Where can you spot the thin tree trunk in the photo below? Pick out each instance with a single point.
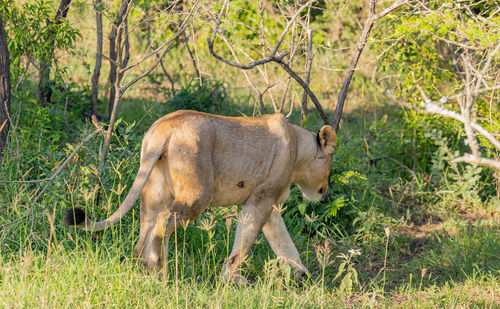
(98, 59)
(169, 77)
(4, 88)
(43, 91)
(195, 66)
(114, 45)
(126, 55)
(303, 107)
(372, 18)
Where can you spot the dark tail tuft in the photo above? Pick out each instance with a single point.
(75, 216)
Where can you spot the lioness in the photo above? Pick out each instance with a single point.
(191, 160)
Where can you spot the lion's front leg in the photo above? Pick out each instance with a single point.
(250, 222)
(281, 243)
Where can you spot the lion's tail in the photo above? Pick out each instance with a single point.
(76, 216)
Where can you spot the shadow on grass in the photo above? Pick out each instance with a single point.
(430, 254)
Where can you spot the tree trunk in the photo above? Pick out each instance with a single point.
(98, 60)
(4, 88)
(114, 44)
(43, 91)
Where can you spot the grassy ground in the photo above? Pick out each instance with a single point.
(401, 227)
(453, 264)
(412, 250)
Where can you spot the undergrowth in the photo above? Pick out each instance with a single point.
(400, 226)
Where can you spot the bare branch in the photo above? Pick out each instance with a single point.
(306, 88)
(431, 107)
(51, 178)
(169, 77)
(241, 66)
(98, 129)
(303, 109)
(272, 58)
(469, 158)
(195, 65)
(372, 18)
(288, 25)
(164, 46)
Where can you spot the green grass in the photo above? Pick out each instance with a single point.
(462, 271)
(441, 252)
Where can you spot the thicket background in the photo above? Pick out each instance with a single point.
(404, 225)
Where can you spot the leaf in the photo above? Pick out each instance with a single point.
(346, 284)
(340, 271)
(302, 208)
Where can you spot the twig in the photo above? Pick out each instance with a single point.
(273, 58)
(288, 25)
(164, 46)
(170, 79)
(25, 181)
(303, 110)
(193, 60)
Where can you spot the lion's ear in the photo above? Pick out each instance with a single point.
(327, 139)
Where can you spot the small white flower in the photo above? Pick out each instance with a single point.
(354, 252)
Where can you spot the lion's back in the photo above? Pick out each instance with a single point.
(240, 149)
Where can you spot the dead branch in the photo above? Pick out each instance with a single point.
(169, 77)
(303, 110)
(435, 108)
(98, 59)
(193, 60)
(272, 58)
(372, 18)
(469, 158)
(306, 88)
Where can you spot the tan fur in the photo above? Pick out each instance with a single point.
(191, 160)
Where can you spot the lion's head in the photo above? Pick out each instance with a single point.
(312, 174)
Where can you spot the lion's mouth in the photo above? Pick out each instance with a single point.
(311, 196)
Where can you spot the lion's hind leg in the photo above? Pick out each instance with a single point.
(155, 199)
(180, 214)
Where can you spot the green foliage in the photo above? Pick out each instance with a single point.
(425, 52)
(391, 170)
(350, 280)
(29, 34)
(210, 97)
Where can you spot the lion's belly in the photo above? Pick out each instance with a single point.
(234, 184)
(228, 193)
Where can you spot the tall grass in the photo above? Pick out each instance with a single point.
(419, 263)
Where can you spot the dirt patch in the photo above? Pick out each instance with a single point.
(421, 231)
(476, 214)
